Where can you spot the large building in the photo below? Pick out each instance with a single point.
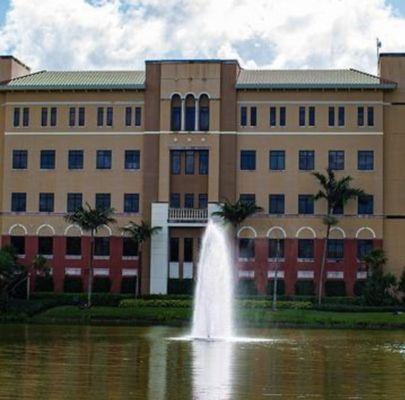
(169, 143)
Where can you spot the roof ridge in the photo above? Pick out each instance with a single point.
(372, 75)
(21, 77)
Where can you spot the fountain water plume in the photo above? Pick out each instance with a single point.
(213, 301)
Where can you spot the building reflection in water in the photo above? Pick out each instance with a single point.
(212, 370)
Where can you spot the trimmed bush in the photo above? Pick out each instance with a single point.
(304, 288)
(335, 288)
(44, 283)
(280, 287)
(101, 284)
(359, 288)
(180, 286)
(246, 287)
(128, 285)
(98, 299)
(73, 284)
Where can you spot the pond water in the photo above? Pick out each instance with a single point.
(82, 362)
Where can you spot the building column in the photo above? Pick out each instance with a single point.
(197, 114)
(183, 114)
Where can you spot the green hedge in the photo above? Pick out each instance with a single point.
(246, 287)
(101, 284)
(304, 288)
(44, 284)
(335, 288)
(73, 284)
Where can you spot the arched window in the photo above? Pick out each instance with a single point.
(204, 117)
(190, 113)
(175, 123)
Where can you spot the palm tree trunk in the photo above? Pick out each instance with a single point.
(324, 253)
(90, 282)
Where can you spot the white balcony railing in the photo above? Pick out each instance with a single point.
(188, 215)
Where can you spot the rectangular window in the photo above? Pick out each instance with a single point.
(54, 116)
(175, 200)
(203, 162)
(104, 159)
(44, 116)
(335, 250)
(75, 159)
(109, 116)
(311, 112)
(18, 243)
(202, 200)
(176, 119)
(16, 117)
(47, 159)
(100, 116)
(337, 160)
(341, 116)
(370, 116)
(174, 249)
(306, 248)
(128, 116)
(365, 160)
(248, 160)
(253, 116)
(82, 116)
(283, 116)
(102, 246)
(20, 159)
(26, 116)
(365, 205)
(129, 247)
(302, 116)
(360, 116)
(306, 160)
(276, 204)
(204, 120)
(277, 160)
(188, 250)
(46, 202)
(175, 162)
(72, 116)
(247, 198)
(276, 248)
(364, 247)
(45, 245)
(18, 202)
(189, 162)
(189, 200)
(131, 202)
(73, 246)
(138, 116)
(305, 204)
(103, 200)
(247, 249)
(331, 116)
(74, 201)
(273, 116)
(190, 118)
(132, 159)
(243, 116)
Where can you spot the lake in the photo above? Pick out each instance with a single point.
(97, 362)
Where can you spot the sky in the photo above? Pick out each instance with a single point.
(121, 34)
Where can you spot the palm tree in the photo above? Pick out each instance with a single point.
(91, 220)
(140, 233)
(236, 213)
(336, 192)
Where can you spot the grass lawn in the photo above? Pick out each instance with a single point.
(245, 317)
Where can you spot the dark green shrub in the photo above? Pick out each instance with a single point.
(44, 283)
(73, 284)
(128, 285)
(359, 288)
(180, 286)
(98, 299)
(280, 287)
(246, 287)
(101, 284)
(335, 288)
(304, 288)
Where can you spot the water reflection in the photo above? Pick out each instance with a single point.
(212, 370)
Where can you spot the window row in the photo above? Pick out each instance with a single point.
(73, 202)
(306, 249)
(73, 246)
(307, 116)
(76, 159)
(191, 159)
(190, 113)
(306, 204)
(189, 200)
(77, 116)
(306, 160)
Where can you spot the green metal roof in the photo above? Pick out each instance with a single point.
(77, 80)
(310, 79)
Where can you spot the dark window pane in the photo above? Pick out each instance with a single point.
(338, 209)
(203, 162)
(175, 162)
(74, 201)
(364, 247)
(75, 159)
(188, 249)
(335, 250)
(20, 159)
(365, 205)
(283, 116)
(248, 160)
(73, 246)
(370, 116)
(202, 200)
(253, 116)
(128, 116)
(109, 116)
(18, 202)
(243, 116)
(175, 200)
(45, 245)
(176, 119)
(44, 116)
(306, 160)
(273, 116)
(302, 116)
(104, 159)
(100, 116)
(174, 249)
(18, 243)
(189, 162)
(277, 160)
(131, 202)
(190, 118)
(54, 116)
(82, 116)
(102, 246)
(247, 198)
(26, 116)
(16, 117)
(306, 248)
(247, 248)
(337, 159)
(204, 119)
(360, 116)
(72, 116)
(331, 116)
(305, 204)
(311, 116)
(341, 116)
(46, 202)
(189, 200)
(138, 116)
(276, 204)
(47, 159)
(129, 247)
(365, 160)
(103, 200)
(132, 159)
(276, 248)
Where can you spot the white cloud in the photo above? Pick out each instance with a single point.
(101, 34)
